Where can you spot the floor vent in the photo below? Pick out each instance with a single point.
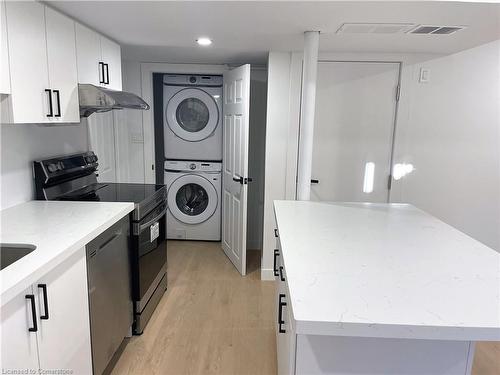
(375, 28)
(442, 30)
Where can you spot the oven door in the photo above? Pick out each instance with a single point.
(149, 254)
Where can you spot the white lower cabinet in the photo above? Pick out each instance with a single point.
(19, 345)
(285, 333)
(54, 332)
(286, 337)
(64, 338)
(338, 355)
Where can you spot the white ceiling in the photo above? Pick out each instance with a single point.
(244, 31)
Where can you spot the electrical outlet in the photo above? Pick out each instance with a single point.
(424, 76)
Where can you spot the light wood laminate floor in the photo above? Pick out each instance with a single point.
(213, 321)
(210, 320)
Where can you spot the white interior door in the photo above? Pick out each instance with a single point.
(235, 165)
(102, 142)
(353, 131)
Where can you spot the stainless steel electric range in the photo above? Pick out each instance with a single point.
(73, 178)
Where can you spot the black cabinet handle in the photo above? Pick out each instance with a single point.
(101, 70)
(282, 278)
(240, 180)
(45, 316)
(281, 303)
(58, 99)
(31, 297)
(49, 92)
(276, 255)
(276, 233)
(106, 81)
(314, 181)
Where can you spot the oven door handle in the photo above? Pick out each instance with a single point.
(139, 228)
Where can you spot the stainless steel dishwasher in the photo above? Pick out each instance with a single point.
(110, 298)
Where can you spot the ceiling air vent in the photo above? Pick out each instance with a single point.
(375, 28)
(443, 30)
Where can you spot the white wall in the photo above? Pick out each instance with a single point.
(279, 98)
(449, 128)
(21, 144)
(129, 138)
(452, 137)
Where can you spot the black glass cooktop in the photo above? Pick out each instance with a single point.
(114, 192)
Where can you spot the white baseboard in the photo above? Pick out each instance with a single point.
(267, 274)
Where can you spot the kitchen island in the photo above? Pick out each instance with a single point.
(380, 289)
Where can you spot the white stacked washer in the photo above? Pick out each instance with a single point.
(193, 117)
(194, 200)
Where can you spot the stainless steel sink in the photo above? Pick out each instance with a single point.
(12, 252)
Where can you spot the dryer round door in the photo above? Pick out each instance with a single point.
(192, 114)
(192, 199)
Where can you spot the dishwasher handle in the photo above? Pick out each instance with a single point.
(101, 246)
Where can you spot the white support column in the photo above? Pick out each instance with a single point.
(308, 102)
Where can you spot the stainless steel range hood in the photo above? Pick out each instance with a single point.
(100, 99)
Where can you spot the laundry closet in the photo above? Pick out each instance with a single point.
(206, 143)
(192, 149)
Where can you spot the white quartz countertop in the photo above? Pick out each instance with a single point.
(57, 229)
(386, 270)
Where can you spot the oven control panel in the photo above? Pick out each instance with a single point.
(68, 164)
(53, 171)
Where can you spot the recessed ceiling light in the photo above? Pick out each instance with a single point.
(204, 41)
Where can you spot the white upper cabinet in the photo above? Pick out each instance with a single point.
(4, 53)
(88, 53)
(44, 55)
(61, 56)
(99, 59)
(112, 58)
(29, 74)
(42, 60)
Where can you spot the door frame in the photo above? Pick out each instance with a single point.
(147, 70)
(397, 95)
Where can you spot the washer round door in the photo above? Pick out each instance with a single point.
(192, 114)
(192, 199)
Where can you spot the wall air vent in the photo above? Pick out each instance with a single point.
(375, 28)
(432, 29)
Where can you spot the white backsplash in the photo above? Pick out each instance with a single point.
(20, 144)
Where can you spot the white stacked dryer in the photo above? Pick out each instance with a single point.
(193, 154)
(192, 117)
(194, 200)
